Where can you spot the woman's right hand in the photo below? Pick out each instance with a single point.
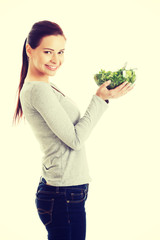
(119, 91)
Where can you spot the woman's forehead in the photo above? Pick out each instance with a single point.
(52, 41)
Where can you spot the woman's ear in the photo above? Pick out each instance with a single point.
(28, 50)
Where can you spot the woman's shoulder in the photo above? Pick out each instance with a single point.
(36, 86)
(36, 91)
(36, 83)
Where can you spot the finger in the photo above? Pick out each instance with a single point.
(107, 83)
(128, 89)
(122, 85)
(129, 86)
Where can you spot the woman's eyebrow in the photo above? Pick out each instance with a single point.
(53, 49)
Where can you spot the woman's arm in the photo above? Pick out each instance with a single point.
(45, 101)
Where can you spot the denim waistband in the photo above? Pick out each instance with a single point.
(63, 188)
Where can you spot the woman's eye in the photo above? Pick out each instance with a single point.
(48, 52)
(61, 52)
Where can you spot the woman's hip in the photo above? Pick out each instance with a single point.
(51, 200)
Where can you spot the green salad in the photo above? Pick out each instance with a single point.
(116, 78)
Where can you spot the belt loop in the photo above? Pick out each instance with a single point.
(57, 189)
(43, 180)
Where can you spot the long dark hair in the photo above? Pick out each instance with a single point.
(38, 31)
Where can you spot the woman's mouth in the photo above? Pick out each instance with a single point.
(52, 68)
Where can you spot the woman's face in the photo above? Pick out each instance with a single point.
(47, 57)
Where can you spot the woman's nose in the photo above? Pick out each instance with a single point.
(55, 59)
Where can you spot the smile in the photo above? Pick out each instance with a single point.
(52, 68)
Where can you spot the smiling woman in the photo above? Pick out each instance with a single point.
(60, 131)
(46, 58)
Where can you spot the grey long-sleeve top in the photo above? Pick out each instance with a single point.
(61, 131)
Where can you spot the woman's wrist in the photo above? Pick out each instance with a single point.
(106, 100)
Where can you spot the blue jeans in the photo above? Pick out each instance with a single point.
(62, 210)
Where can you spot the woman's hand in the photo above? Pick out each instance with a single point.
(119, 91)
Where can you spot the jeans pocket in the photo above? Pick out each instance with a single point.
(77, 196)
(45, 209)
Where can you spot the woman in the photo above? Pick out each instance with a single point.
(61, 132)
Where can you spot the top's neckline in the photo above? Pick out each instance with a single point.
(37, 82)
(49, 83)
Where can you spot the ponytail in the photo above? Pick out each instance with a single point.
(18, 112)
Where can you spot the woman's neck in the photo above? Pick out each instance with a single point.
(31, 79)
(32, 75)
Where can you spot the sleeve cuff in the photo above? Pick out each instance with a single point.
(101, 100)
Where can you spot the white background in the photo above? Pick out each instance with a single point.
(122, 150)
